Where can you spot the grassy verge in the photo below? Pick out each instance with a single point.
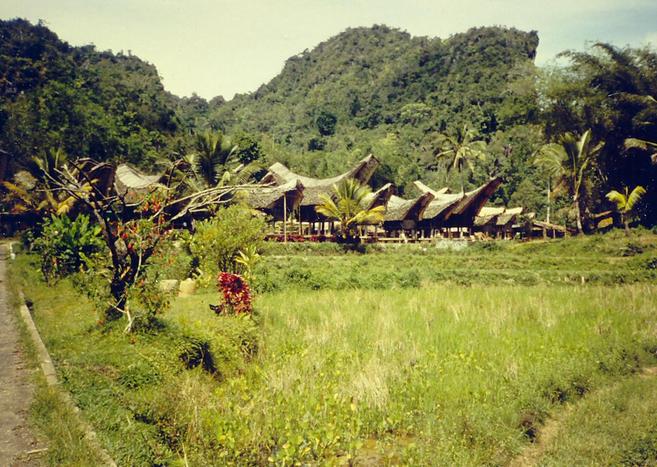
(611, 427)
(597, 259)
(52, 419)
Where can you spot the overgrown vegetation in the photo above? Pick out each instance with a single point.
(439, 370)
(66, 245)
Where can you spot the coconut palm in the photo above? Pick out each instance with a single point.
(626, 202)
(571, 161)
(460, 150)
(348, 206)
(212, 154)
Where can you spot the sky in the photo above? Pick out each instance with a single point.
(223, 47)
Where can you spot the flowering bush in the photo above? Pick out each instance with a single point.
(235, 294)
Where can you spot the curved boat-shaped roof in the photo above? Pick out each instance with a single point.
(400, 209)
(380, 197)
(446, 205)
(313, 187)
(270, 198)
(129, 180)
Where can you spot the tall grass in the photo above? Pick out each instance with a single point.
(438, 375)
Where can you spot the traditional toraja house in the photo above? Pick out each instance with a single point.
(403, 216)
(315, 187)
(134, 185)
(454, 211)
(276, 201)
(498, 222)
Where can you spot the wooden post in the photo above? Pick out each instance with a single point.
(284, 219)
(300, 224)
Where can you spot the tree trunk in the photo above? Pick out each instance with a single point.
(578, 213)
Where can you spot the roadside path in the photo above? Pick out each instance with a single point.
(17, 443)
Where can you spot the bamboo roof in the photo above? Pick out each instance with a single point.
(508, 216)
(133, 184)
(400, 209)
(278, 174)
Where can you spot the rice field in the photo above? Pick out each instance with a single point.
(434, 371)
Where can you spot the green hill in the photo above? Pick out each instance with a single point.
(379, 89)
(90, 103)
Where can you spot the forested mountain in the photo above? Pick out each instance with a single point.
(367, 77)
(379, 89)
(88, 103)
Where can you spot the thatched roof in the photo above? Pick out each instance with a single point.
(488, 215)
(499, 216)
(269, 197)
(380, 197)
(509, 216)
(446, 205)
(314, 187)
(133, 184)
(400, 209)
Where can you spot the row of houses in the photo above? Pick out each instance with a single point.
(286, 195)
(290, 201)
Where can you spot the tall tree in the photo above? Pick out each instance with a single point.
(461, 150)
(571, 161)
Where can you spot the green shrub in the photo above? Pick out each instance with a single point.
(172, 261)
(66, 245)
(217, 241)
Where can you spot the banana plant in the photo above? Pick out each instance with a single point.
(626, 202)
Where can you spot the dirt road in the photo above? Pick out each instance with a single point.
(17, 444)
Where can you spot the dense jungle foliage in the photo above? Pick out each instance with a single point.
(375, 89)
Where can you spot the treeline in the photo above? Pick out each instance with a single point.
(365, 90)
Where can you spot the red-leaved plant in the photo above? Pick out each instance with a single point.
(235, 294)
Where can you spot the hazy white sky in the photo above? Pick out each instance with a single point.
(220, 47)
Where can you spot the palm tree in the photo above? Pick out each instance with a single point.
(461, 150)
(30, 190)
(348, 206)
(571, 160)
(643, 145)
(212, 153)
(626, 202)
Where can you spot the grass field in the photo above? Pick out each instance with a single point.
(433, 369)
